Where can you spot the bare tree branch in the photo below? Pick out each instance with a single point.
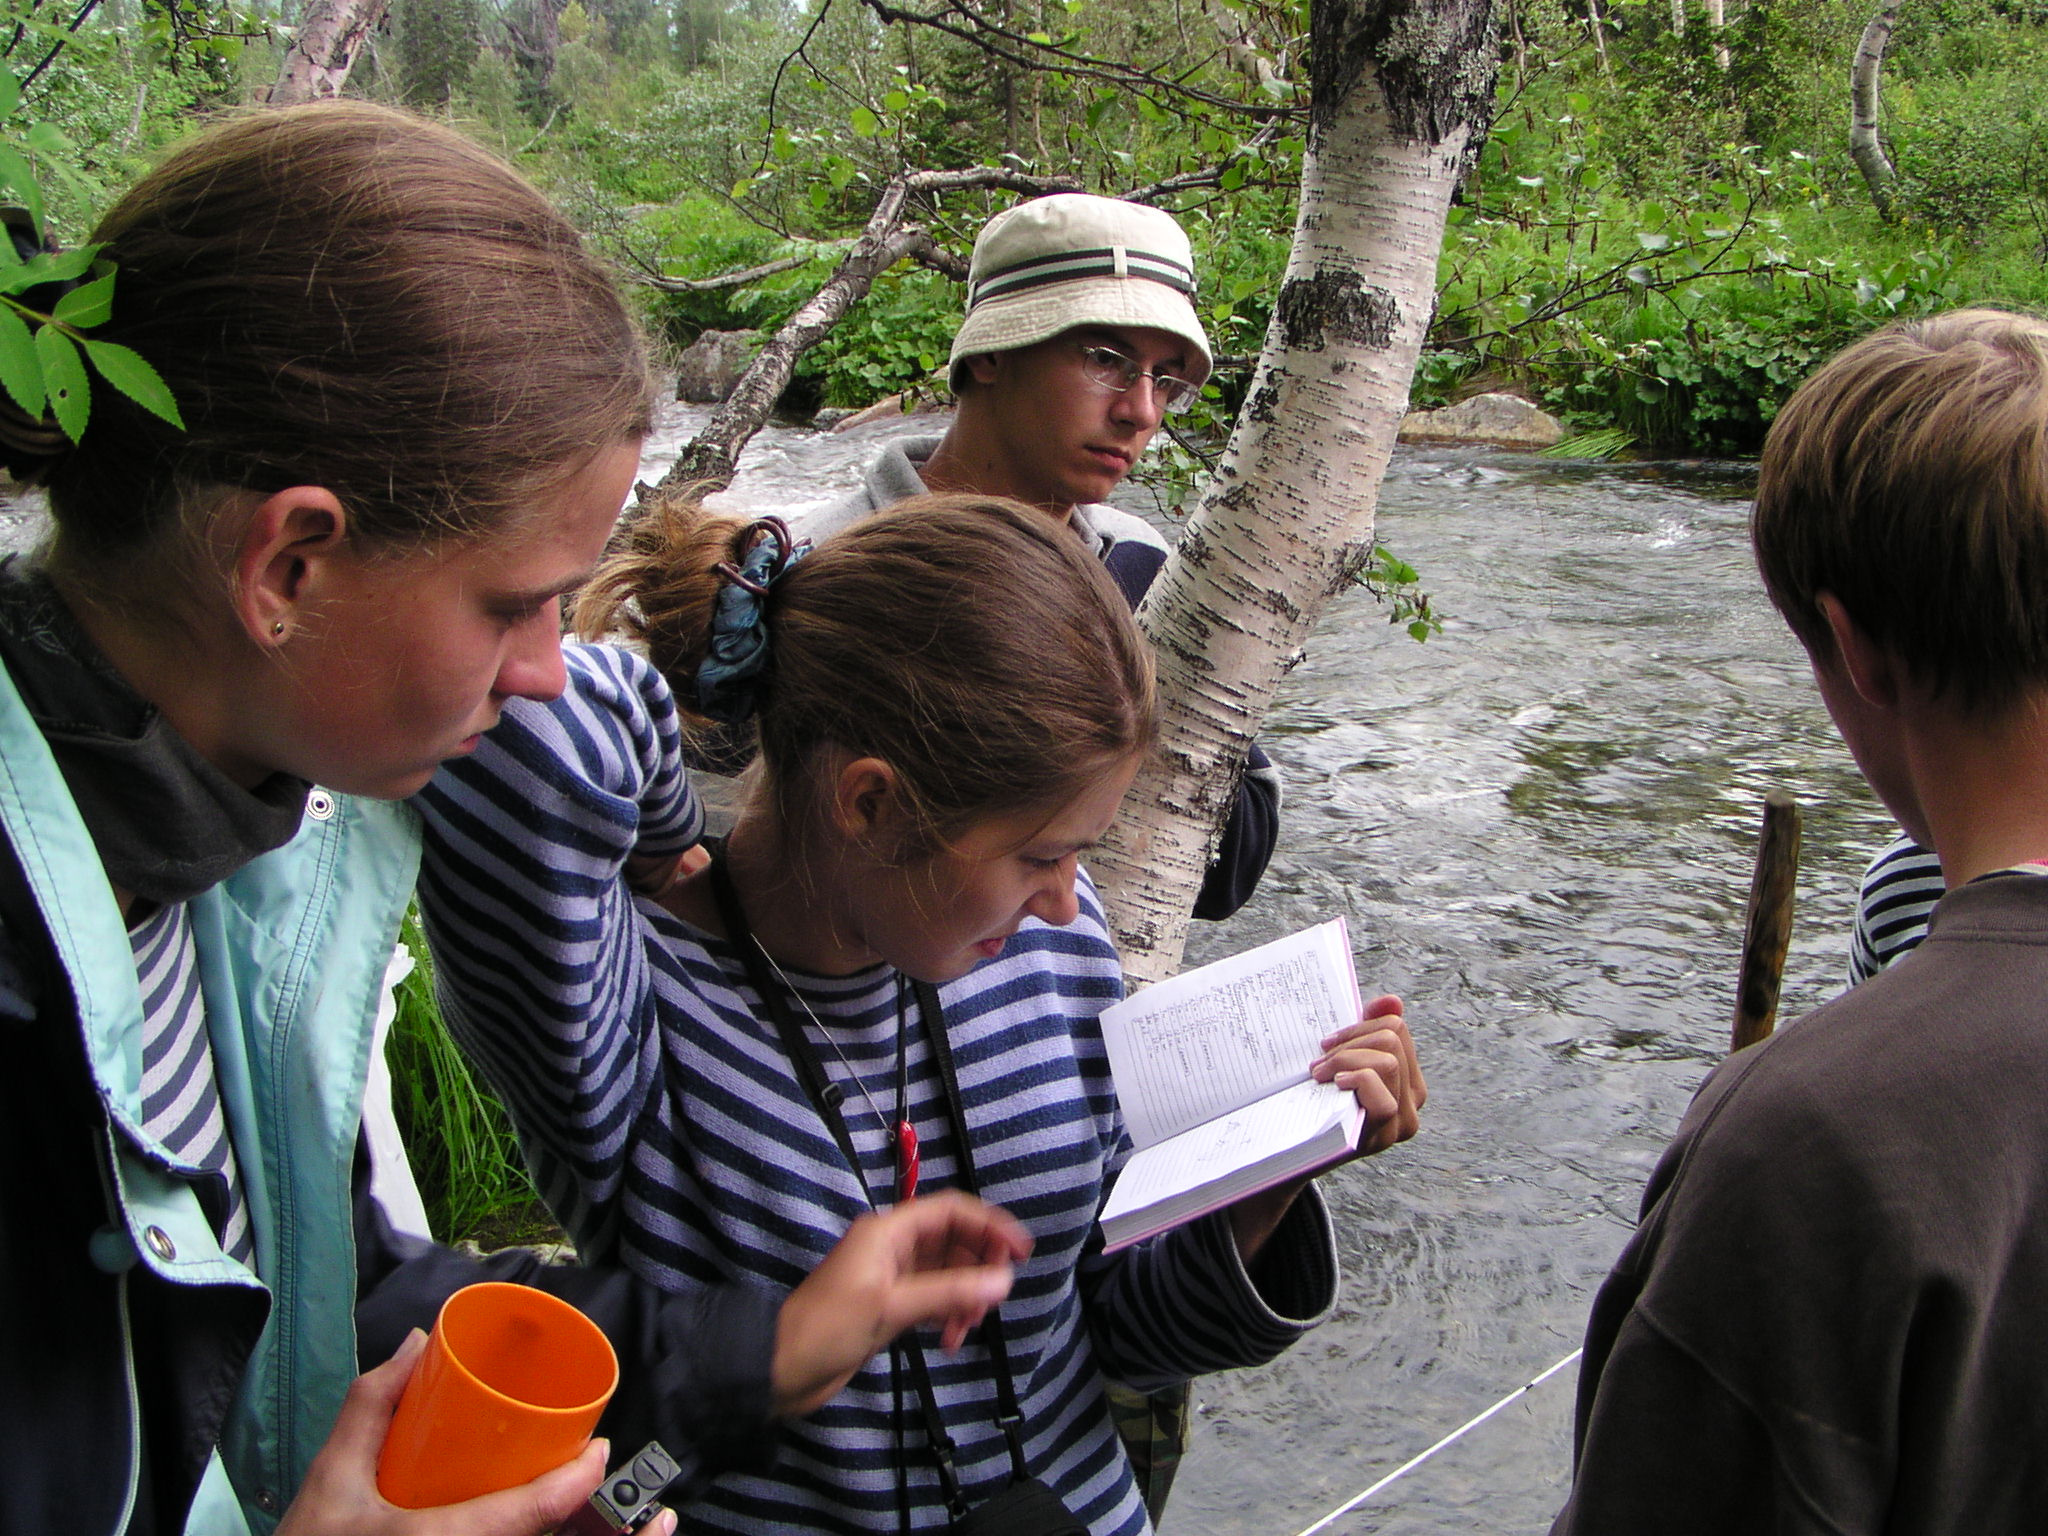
(666, 284)
(1015, 48)
(927, 252)
(1208, 176)
(57, 47)
(775, 85)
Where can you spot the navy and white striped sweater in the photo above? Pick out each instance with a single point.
(669, 1132)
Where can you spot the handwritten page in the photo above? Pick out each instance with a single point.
(1239, 1139)
(1226, 1035)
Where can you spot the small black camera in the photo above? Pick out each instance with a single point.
(627, 1498)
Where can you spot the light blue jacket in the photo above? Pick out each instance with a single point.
(292, 953)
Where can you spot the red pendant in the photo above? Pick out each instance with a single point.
(906, 1161)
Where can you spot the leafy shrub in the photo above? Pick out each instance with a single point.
(895, 339)
(1968, 154)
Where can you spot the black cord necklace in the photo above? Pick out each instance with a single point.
(827, 1097)
(903, 1135)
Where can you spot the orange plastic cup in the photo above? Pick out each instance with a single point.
(510, 1386)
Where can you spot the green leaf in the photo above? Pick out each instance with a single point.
(865, 123)
(896, 101)
(64, 376)
(1043, 39)
(129, 372)
(87, 306)
(47, 139)
(10, 91)
(1232, 177)
(1652, 240)
(21, 371)
(17, 176)
(55, 267)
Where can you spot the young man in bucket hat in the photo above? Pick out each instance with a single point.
(1080, 337)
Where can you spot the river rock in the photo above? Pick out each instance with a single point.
(712, 365)
(894, 405)
(1506, 421)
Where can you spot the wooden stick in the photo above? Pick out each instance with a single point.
(1767, 927)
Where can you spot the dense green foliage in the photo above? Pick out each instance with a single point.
(1648, 242)
(1660, 235)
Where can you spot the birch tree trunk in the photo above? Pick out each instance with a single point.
(1717, 23)
(330, 37)
(1865, 148)
(1398, 88)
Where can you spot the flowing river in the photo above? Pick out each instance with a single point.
(1541, 826)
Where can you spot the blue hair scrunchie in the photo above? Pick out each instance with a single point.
(728, 680)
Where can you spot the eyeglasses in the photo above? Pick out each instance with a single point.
(1112, 370)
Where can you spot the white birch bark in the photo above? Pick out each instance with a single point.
(1241, 46)
(1397, 89)
(324, 50)
(1865, 147)
(1717, 23)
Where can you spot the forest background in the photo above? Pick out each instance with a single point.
(1662, 232)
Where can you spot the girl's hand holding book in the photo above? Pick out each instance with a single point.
(1375, 1058)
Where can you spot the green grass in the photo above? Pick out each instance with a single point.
(458, 1137)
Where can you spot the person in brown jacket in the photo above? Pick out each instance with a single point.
(1831, 1318)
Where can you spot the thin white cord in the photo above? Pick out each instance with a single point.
(1410, 1465)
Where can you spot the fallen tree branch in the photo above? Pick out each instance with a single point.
(667, 284)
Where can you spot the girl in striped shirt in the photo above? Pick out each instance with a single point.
(894, 947)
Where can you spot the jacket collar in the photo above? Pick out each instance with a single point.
(166, 822)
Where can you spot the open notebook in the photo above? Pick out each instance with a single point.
(1212, 1071)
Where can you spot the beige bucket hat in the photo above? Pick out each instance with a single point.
(1073, 259)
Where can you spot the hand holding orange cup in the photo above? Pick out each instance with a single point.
(510, 1385)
